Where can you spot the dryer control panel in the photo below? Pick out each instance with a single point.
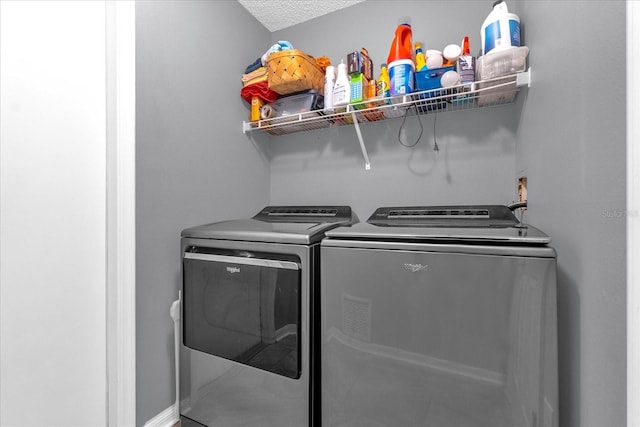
(484, 216)
(305, 214)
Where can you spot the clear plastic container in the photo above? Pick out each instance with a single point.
(502, 63)
(298, 103)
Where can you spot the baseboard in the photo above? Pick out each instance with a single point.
(166, 418)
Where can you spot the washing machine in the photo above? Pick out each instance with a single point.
(250, 317)
(439, 316)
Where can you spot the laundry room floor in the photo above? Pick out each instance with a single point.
(185, 422)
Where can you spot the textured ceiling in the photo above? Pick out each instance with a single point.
(278, 14)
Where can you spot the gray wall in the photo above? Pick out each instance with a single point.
(193, 163)
(566, 133)
(477, 148)
(571, 145)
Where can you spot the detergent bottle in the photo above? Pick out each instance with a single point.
(402, 46)
(400, 60)
(421, 62)
(342, 88)
(501, 29)
(329, 83)
(382, 91)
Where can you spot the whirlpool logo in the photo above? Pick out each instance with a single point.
(233, 270)
(414, 268)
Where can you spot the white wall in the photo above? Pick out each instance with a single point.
(52, 224)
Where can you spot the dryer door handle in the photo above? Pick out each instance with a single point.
(287, 265)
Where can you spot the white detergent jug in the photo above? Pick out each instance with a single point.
(501, 29)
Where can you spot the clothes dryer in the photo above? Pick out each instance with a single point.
(250, 317)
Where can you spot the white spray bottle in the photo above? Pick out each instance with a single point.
(342, 89)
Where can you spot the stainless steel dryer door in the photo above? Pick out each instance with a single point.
(428, 338)
(243, 307)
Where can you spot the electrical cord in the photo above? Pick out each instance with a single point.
(404, 119)
(436, 147)
(435, 142)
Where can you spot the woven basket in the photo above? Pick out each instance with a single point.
(293, 71)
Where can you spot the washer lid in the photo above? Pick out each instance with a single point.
(277, 224)
(493, 224)
(524, 234)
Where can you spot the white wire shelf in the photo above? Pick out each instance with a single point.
(497, 91)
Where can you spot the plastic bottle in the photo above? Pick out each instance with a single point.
(466, 68)
(341, 89)
(421, 62)
(329, 82)
(401, 77)
(466, 65)
(400, 60)
(372, 88)
(382, 90)
(501, 29)
(402, 46)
